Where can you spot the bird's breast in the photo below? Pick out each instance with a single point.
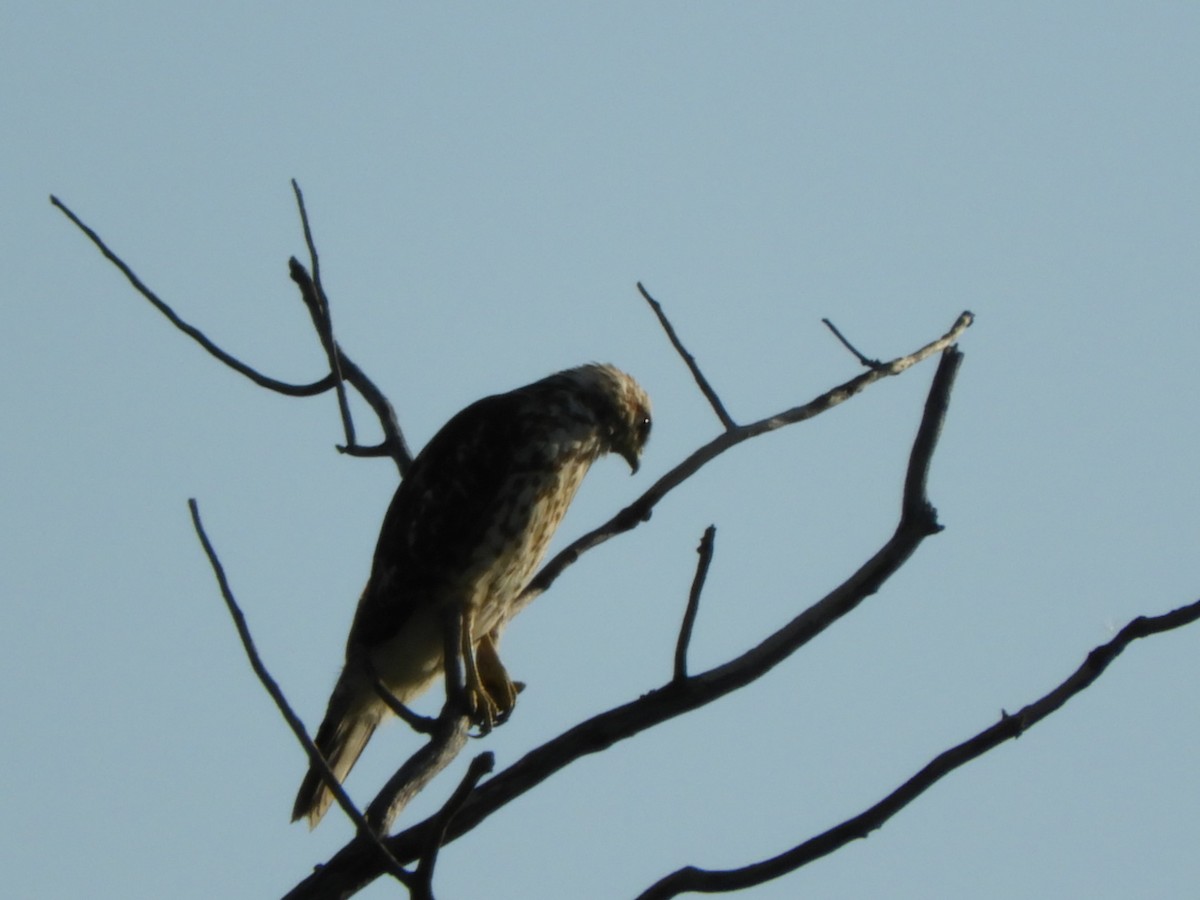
(515, 547)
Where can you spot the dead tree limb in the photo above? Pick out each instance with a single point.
(693, 879)
(271, 384)
(342, 367)
(641, 508)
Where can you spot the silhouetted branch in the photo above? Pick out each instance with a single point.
(639, 511)
(393, 444)
(481, 765)
(865, 360)
(1009, 727)
(323, 320)
(693, 605)
(390, 864)
(713, 400)
(280, 387)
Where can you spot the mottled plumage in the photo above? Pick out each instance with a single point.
(464, 533)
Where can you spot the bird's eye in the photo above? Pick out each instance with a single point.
(643, 429)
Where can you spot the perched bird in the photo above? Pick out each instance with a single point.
(464, 534)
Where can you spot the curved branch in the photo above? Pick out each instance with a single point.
(1009, 727)
(271, 384)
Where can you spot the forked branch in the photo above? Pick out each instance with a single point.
(341, 367)
(639, 511)
(710, 881)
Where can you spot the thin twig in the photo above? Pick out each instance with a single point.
(481, 765)
(1009, 727)
(390, 864)
(281, 387)
(323, 320)
(693, 605)
(865, 360)
(713, 400)
(394, 444)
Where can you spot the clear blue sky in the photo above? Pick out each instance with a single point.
(486, 187)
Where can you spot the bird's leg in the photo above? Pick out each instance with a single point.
(502, 689)
(452, 657)
(481, 707)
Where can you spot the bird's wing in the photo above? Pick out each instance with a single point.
(442, 511)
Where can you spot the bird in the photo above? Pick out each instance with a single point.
(464, 533)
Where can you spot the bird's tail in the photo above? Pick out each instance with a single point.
(348, 725)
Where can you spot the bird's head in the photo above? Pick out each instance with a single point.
(621, 408)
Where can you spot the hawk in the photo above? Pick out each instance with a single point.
(463, 535)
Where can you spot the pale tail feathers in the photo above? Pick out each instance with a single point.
(348, 725)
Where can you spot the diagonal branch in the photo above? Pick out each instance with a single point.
(1009, 727)
(639, 511)
(351, 868)
(713, 400)
(280, 387)
(390, 865)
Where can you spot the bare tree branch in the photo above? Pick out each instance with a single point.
(390, 864)
(323, 320)
(705, 388)
(481, 765)
(394, 444)
(280, 387)
(639, 511)
(693, 605)
(1009, 727)
(865, 360)
(351, 868)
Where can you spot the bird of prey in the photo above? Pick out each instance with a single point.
(462, 537)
